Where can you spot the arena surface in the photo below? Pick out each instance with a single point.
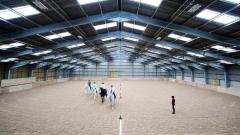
(65, 109)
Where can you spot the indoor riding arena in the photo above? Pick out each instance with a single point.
(119, 67)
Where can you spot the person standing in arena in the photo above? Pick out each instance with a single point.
(173, 105)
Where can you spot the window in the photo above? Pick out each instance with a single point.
(208, 14)
(134, 26)
(104, 26)
(154, 3)
(180, 37)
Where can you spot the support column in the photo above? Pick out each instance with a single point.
(7, 72)
(192, 75)
(30, 72)
(175, 73)
(226, 78)
(144, 70)
(108, 72)
(96, 70)
(156, 71)
(45, 73)
(84, 69)
(206, 75)
(56, 73)
(182, 71)
(132, 69)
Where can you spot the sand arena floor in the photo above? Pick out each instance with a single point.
(64, 109)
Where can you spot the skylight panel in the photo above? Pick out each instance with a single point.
(165, 47)
(26, 10)
(12, 45)
(208, 14)
(74, 46)
(85, 2)
(195, 54)
(233, 1)
(226, 19)
(58, 35)
(154, 52)
(131, 39)
(154, 3)
(224, 62)
(9, 59)
(54, 36)
(60, 56)
(42, 53)
(104, 26)
(179, 37)
(64, 34)
(107, 39)
(134, 26)
(223, 48)
(8, 14)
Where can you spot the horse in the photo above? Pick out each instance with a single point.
(88, 89)
(103, 93)
(95, 91)
(112, 98)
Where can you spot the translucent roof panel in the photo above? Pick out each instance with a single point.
(131, 39)
(154, 3)
(77, 45)
(59, 35)
(104, 26)
(208, 14)
(42, 53)
(134, 26)
(110, 38)
(26, 10)
(12, 45)
(223, 48)
(195, 54)
(233, 1)
(85, 2)
(8, 14)
(179, 37)
(163, 46)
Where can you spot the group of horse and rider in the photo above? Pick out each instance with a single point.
(109, 93)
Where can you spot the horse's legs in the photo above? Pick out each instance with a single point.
(102, 98)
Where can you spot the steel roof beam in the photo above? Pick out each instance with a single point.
(122, 14)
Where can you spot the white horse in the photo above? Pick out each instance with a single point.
(112, 98)
(95, 91)
(88, 89)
